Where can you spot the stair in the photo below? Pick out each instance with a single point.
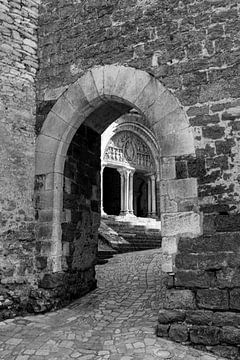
(126, 234)
(105, 251)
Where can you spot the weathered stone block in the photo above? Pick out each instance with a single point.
(179, 299)
(213, 299)
(224, 146)
(230, 335)
(181, 169)
(204, 261)
(235, 299)
(168, 205)
(171, 316)
(179, 189)
(203, 120)
(205, 335)
(213, 132)
(167, 263)
(229, 352)
(41, 262)
(227, 223)
(220, 242)
(199, 317)
(209, 224)
(179, 332)
(162, 330)
(220, 161)
(194, 279)
(187, 205)
(228, 278)
(44, 231)
(231, 113)
(210, 178)
(169, 245)
(181, 223)
(196, 168)
(214, 208)
(175, 143)
(186, 261)
(168, 168)
(198, 110)
(51, 281)
(45, 215)
(213, 261)
(226, 319)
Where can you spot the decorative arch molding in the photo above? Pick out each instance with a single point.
(140, 131)
(119, 89)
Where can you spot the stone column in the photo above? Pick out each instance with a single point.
(126, 190)
(153, 191)
(130, 200)
(122, 189)
(149, 197)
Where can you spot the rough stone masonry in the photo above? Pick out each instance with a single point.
(193, 49)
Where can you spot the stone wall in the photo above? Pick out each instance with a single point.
(192, 47)
(203, 298)
(80, 219)
(81, 202)
(19, 64)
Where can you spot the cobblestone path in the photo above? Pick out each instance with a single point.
(116, 321)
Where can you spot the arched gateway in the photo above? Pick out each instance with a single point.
(68, 167)
(130, 154)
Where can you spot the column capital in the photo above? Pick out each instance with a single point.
(153, 177)
(131, 171)
(121, 171)
(125, 170)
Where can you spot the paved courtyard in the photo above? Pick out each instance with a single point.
(115, 321)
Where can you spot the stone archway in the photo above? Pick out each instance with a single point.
(145, 160)
(112, 90)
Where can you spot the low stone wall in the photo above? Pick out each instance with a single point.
(28, 283)
(203, 298)
(52, 292)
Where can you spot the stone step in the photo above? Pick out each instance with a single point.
(120, 226)
(133, 221)
(105, 254)
(125, 236)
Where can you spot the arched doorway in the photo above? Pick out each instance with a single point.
(140, 190)
(131, 148)
(74, 126)
(112, 191)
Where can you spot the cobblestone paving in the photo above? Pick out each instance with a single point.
(116, 321)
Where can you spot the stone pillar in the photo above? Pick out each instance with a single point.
(130, 200)
(126, 190)
(149, 197)
(102, 209)
(122, 189)
(153, 191)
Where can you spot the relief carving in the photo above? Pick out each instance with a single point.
(126, 147)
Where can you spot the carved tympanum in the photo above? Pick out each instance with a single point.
(126, 147)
